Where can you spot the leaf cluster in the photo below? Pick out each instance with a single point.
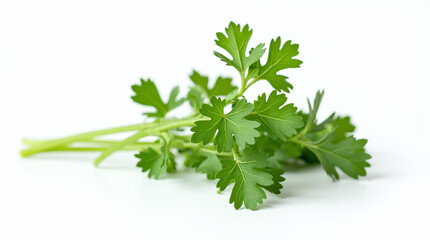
(249, 144)
(241, 143)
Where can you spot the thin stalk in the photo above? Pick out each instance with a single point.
(242, 87)
(174, 123)
(206, 149)
(94, 149)
(250, 83)
(143, 133)
(90, 141)
(103, 147)
(87, 141)
(119, 145)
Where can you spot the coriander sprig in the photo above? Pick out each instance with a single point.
(248, 146)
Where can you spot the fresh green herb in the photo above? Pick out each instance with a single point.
(248, 146)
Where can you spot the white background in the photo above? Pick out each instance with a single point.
(67, 67)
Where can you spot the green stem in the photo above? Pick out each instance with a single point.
(103, 145)
(206, 149)
(235, 153)
(130, 140)
(98, 149)
(242, 87)
(154, 127)
(96, 141)
(250, 83)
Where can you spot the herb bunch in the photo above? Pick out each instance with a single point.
(248, 146)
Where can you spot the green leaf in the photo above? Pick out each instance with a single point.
(291, 150)
(195, 98)
(222, 85)
(279, 120)
(230, 128)
(147, 94)
(154, 162)
(236, 43)
(248, 174)
(200, 80)
(277, 160)
(173, 102)
(343, 127)
(348, 155)
(266, 144)
(211, 165)
(278, 59)
(277, 179)
(171, 163)
(326, 124)
(310, 118)
(313, 109)
(192, 157)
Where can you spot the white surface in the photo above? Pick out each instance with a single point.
(67, 68)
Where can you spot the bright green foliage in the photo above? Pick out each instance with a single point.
(211, 165)
(247, 145)
(196, 97)
(278, 59)
(278, 159)
(154, 162)
(248, 175)
(222, 85)
(230, 128)
(328, 143)
(343, 126)
(313, 110)
(266, 144)
(147, 94)
(277, 179)
(348, 155)
(279, 120)
(236, 43)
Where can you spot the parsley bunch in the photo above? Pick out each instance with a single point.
(240, 143)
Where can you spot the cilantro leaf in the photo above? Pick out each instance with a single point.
(192, 157)
(277, 179)
(348, 155)
(211, 165)
(266, 144)
(342, 126)
(222, 85)
(326, 124)
(278, 120)
(236, 43)
(147, 94)
(230, 128)
(154, 162)
(277, 160)
(278, 59)
(291, 150)
(173, 102)
(249, 175)
(313, 110)
(195, 98)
